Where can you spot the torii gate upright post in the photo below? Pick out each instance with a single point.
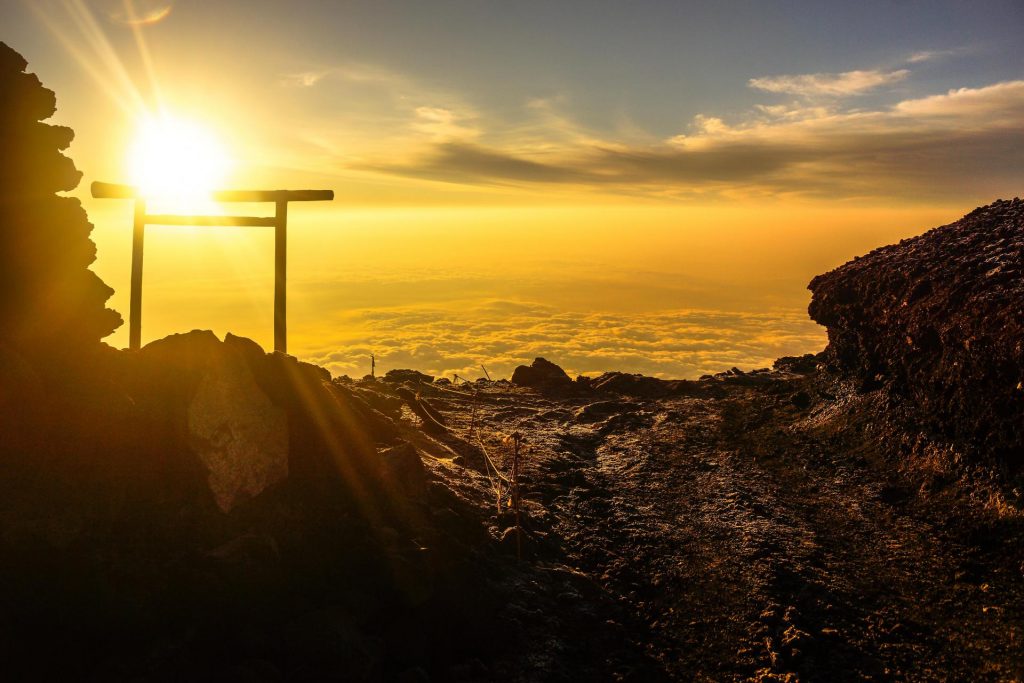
(279, 221)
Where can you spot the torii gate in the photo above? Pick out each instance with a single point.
(279, 221)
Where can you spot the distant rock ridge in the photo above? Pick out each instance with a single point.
(939, 320)
(548, 378)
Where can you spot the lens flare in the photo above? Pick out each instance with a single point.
(139, 12)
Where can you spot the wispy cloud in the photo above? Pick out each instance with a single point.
(304, 79)
(471, 163)
(824, 142)
(348, 73)
(443, 124)
(140, 13)
(829, 84)
(931, 55)
(940, 145)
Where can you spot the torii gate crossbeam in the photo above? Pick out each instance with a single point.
(279, 221)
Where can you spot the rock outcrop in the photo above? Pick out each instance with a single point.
(240, 436)
(939, 320)
(248, 419)
(411, 376)
(203, 490)
(627, 384)
(51, 305)
(543, 375)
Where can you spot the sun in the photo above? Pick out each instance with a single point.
(174, 158)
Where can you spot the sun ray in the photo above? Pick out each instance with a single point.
(137, 25)
(89, 46)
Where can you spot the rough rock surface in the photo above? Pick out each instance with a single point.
(756, 527)
(237, 432)
(735, 533)
(638, 385)
(939, 320)
(399, 376)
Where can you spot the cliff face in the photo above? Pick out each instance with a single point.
(938, 320)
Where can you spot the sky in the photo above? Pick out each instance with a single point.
(635, 186)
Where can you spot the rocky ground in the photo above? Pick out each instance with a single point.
(749, 527)
(202, 510)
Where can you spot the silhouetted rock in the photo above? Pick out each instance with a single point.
(541, 374)
(804, 364)
(629, 384)
(51, 304)
(639, 386)
(414, 376)
(939, 319)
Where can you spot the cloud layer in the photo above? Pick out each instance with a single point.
(502, 334)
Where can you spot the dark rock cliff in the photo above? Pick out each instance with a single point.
(938, 320)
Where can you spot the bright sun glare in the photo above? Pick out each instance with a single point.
(176, 158)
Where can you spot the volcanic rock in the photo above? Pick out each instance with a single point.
(403, 468)
(939, 320)
(640, 386)
(600, 410)
(52, 307)
(238, 434)
(804, 364)
(541, 374)
(414, 376)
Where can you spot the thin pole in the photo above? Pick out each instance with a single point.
(135, 303)
(280, 277)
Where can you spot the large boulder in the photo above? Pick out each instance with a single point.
(399, 376)
(251, 419)
(239, 435)
(541, 374)
(939, 319)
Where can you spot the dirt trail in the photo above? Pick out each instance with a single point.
(738, 537)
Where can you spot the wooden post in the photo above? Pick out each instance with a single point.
(135, 304)
(281, 277)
